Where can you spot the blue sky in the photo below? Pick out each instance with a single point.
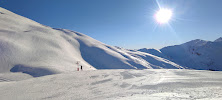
(127, 23)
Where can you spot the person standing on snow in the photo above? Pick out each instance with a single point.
(81, 67)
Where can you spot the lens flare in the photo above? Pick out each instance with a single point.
(163, 15)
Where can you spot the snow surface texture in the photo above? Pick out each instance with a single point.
(149, 84)
(29, 47)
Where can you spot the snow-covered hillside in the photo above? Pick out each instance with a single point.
(195, 54)
(29, 47)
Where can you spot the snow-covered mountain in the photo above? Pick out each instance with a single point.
(195, 54)
(29, 47)
(218, 40)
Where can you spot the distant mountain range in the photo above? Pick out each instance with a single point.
(29, 47)
(195, 54)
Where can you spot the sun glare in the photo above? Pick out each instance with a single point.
(163, 15)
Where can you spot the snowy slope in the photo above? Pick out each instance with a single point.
(29, 47)
(218, 40)
(153, 51)
(150, 84)
(196, 54)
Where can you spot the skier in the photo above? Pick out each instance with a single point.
(81, 67)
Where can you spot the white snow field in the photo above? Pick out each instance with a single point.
(148, 84)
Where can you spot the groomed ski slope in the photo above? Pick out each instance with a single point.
(149, 84)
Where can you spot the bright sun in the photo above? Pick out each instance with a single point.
(163, 15)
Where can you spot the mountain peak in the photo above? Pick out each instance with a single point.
(218, 40)
(196, 42)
